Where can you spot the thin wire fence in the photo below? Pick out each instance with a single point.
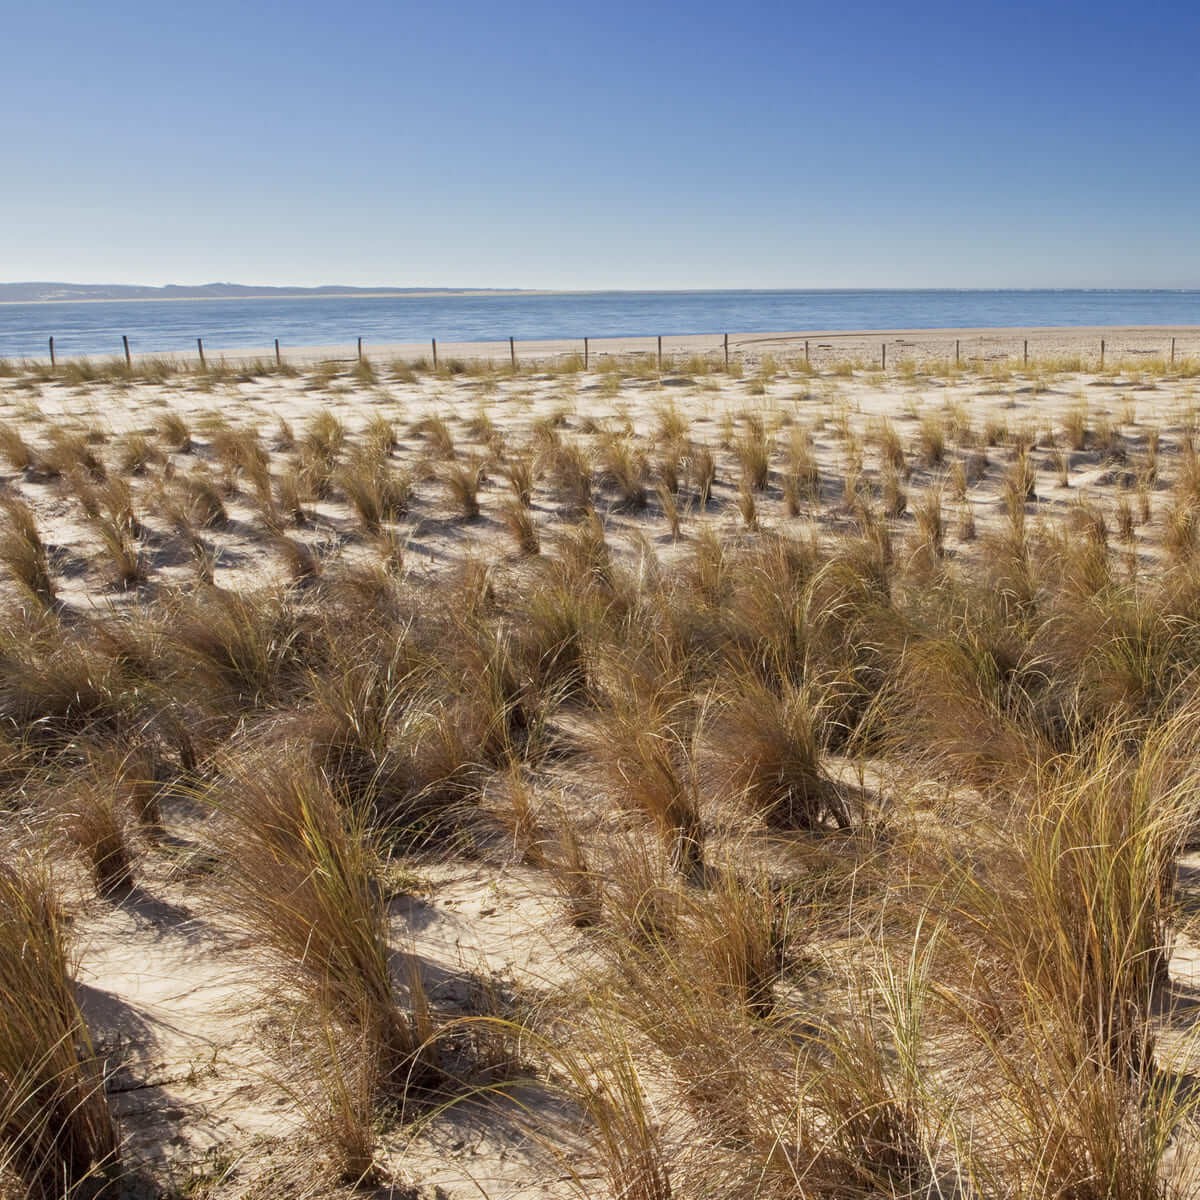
(881, 351)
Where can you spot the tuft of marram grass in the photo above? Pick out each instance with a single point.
(242, 650)
(23, 552)
(643, 746)
(174, 430)
(126, 566)
(91, 814)
(319, 450)
(702, 473)
(669, 503)
(300, 560)
(15, 450)
(202, 503)
(70, 451)
(137, 453)
(298, 875)
(623, 467)
(895, 499)
(377, 491)
(931, 526)
(753, 450)
(932, 440)
(519, 521)
(519, 474)
(57, 1136)
(570, 471)
(766, 746)
(437, 435)
(463, 480)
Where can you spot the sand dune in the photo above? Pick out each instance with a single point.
(177, 509)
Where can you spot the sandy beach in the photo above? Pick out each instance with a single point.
(925, 347)
(827, 347)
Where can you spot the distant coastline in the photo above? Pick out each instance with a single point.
(421, 295)
(35, 292)
(46, 292)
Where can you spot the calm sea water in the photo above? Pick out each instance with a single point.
(95, 328)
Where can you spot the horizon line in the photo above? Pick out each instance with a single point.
(302, 291)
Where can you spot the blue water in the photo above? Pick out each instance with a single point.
(95, 328)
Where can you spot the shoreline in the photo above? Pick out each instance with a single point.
(971, 342)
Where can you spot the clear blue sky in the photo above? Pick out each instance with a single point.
(559, 145)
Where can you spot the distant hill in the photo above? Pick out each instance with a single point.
(28, 293)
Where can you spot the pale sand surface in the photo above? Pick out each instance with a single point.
(164, 978)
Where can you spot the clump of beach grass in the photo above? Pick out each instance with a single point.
(58, 1136)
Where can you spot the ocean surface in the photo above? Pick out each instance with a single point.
(95, 327)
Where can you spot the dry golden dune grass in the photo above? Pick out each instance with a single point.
(755, 784)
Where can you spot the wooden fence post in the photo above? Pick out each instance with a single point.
(512, 353)
(806, 352)
(1102, 354)
(883, 356)
(52, 362)
(585, 354)
(200, 348)
(278, 356)
(660, 351)
(1172, 352)
(727, 351)
(956, 352)
(1027, 352)
(434, 341)
(128, 356)
(360, 349)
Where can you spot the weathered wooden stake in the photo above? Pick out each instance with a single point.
(128, 356)
(956, 352)
(434, 341)
(512, 353)
(806, 352)
(360, 349)
(278, 356)
(883, 356)
(1102, 354)
(1172, 352)
(1027, 352)
(585, 354)
(200, 348)
(727, 350)
(660, 351)
(52, 362)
